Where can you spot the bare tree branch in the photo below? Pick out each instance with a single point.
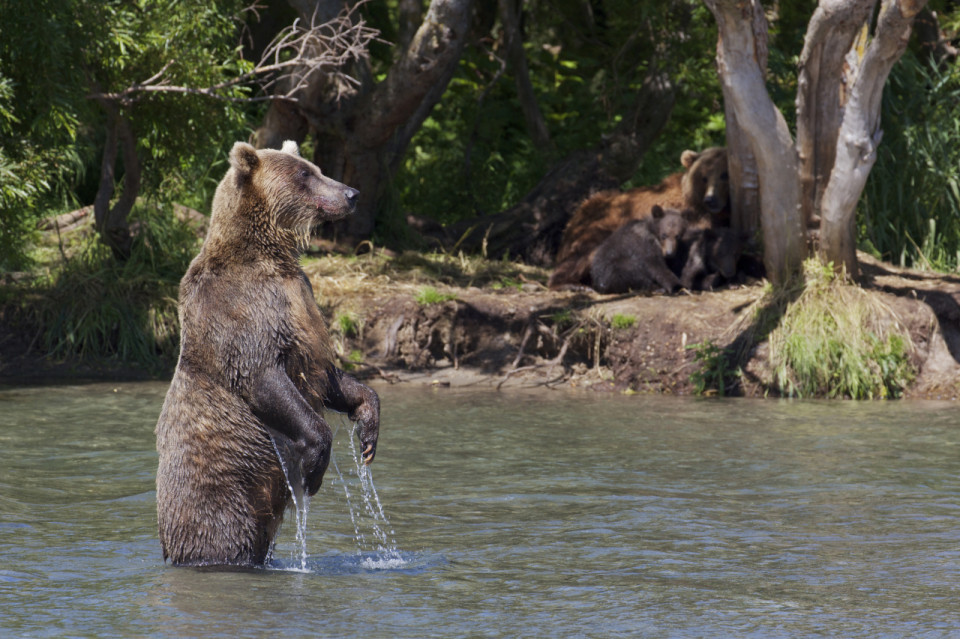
(295, 55)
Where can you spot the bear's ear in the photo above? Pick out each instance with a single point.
(244, 158)
(656, 211)
(687, 158)
(291, 147)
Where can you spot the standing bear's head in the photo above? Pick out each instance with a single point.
(276, 196)
(706, 184)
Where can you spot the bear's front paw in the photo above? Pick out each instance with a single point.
(316, 458)
(368, 431)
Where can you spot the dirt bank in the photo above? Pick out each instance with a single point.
(453, 321)
(525, 335)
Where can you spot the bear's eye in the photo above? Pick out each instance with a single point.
(304, 174)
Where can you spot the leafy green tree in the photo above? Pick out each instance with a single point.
(126, 82)
(41, 114)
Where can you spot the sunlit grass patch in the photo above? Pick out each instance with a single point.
(429, 295)
(838, 340)
(621, 321)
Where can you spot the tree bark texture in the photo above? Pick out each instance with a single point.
(741, 162)
(834, 28)
(741, 49)
(362, 133)
(860, 133)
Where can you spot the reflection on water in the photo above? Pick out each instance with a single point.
(508, 515)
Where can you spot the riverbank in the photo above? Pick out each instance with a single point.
(453, 321)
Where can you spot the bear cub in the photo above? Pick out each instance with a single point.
(701, 191)
(712, 258)
(635, 257)
(244, 411)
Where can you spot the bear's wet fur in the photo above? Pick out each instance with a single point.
(256, 368)
(702, 192)
(635, 256)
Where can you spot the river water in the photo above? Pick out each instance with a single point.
(508, 515)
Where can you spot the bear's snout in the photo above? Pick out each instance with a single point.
(351, 195)
(712, 202)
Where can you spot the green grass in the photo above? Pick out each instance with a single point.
(838, 340)
(714, 376)
(620, 321)
(348, 324)
(429, 295)
(93, 306)
(909, 213)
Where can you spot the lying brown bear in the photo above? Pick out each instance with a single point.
(702, 192)
(256, 369)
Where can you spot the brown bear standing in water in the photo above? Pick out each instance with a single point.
(256, 369)
(702, 192)
(634, 257)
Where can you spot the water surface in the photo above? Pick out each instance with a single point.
(511, 514)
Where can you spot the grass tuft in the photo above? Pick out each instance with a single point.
(620, 321)
(715, 375)
(838, 340)
(429, 295)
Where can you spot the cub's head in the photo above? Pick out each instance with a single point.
(706, 183)
(290, 190)
(669, 226)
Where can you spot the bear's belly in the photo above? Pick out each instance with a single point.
(221, 491)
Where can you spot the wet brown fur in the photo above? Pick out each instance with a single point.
(246, 308)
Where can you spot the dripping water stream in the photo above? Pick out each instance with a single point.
(381, 551)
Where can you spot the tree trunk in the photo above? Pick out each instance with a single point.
(532, 229)
(742, 46)
(111, 222)
(536, 125)
(934, 44)
(860, 132)
(744, 177)
(741, 162)
(362, 135)
(836, 26)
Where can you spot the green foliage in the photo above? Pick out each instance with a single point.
(562, 318)
(429, 295)
(473, 154)
(347, 324)
(56, 54)
(40, 118)
(910, 209)
(714, 375)
(95, 306)
(620, 321)
(837, 340)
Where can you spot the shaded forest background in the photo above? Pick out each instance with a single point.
(78, 128)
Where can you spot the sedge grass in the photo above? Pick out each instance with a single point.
(835, 339)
